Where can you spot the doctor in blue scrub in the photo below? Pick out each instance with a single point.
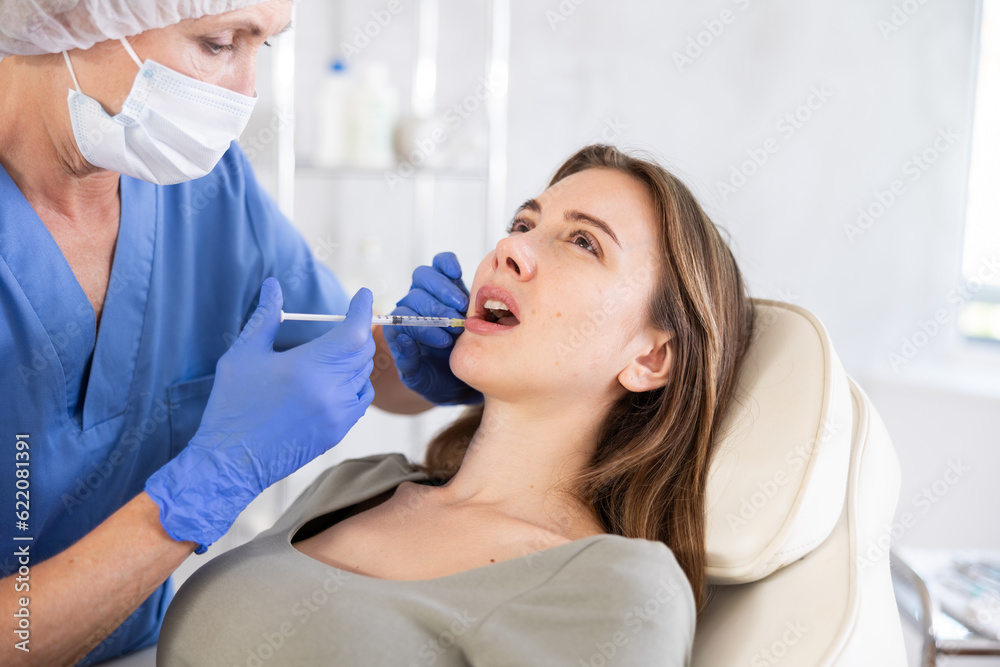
(147, 390)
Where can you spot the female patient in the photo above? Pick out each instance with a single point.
(559, 523)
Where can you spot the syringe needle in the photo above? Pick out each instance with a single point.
(384, 320)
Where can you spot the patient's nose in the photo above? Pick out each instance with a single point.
(514, 255)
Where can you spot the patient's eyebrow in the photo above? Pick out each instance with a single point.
(580, 216)
(576, 216)
(531, 205)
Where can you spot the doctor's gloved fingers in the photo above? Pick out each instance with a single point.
(449, 291)
(424, 303)
(348, 364)
(418, 302)
(354, 334)
(351, 380)
(352, 402)
(433, 336)
(365, 397)
(405, 354)
(363, 375)
(447, 263)
(346, 397)
(441, 287)
(262, 327)
(359, 314)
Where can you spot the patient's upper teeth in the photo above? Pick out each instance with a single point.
(493, 304)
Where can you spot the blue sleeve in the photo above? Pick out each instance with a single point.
(307, 285)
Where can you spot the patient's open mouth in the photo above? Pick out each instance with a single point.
(498, 312)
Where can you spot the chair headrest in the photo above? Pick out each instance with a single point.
(778, 477)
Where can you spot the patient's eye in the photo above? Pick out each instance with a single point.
(586, 241)
(518, 225)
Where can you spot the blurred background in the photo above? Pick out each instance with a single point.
(844, 147)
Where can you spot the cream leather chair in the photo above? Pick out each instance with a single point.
(801, 491)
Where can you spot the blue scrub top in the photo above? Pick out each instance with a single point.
(101, 410)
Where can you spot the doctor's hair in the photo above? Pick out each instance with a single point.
(649, 473)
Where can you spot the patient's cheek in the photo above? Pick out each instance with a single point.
(584, 333)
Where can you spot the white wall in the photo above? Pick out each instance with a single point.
(583, 68)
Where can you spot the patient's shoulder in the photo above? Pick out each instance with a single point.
(629, 571)
(629, 591)
(349, 482)
(625, 559)
(362, 472)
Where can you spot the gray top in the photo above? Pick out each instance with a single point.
(601, 599)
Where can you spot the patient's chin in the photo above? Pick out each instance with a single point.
(466, 364)
(514, 380)
(491, 373)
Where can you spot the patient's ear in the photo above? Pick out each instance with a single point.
(651, 368)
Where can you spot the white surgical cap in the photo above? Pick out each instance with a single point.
(33, 27)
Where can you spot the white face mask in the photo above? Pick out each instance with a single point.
(171, 128)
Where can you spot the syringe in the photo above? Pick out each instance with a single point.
(384, 320)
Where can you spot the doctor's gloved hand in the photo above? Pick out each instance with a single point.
(421, 353)
(269, 414)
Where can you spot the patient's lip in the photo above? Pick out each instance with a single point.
(478, 324)
(487, 292)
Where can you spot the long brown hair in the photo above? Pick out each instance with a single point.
(648, 475)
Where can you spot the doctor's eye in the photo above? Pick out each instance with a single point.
(215, 49)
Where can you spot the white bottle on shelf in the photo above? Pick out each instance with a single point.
(334, 129)
(374, 111)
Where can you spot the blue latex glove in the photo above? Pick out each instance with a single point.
(269, 414)
(421, 353)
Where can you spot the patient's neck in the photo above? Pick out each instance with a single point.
(517, 457)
